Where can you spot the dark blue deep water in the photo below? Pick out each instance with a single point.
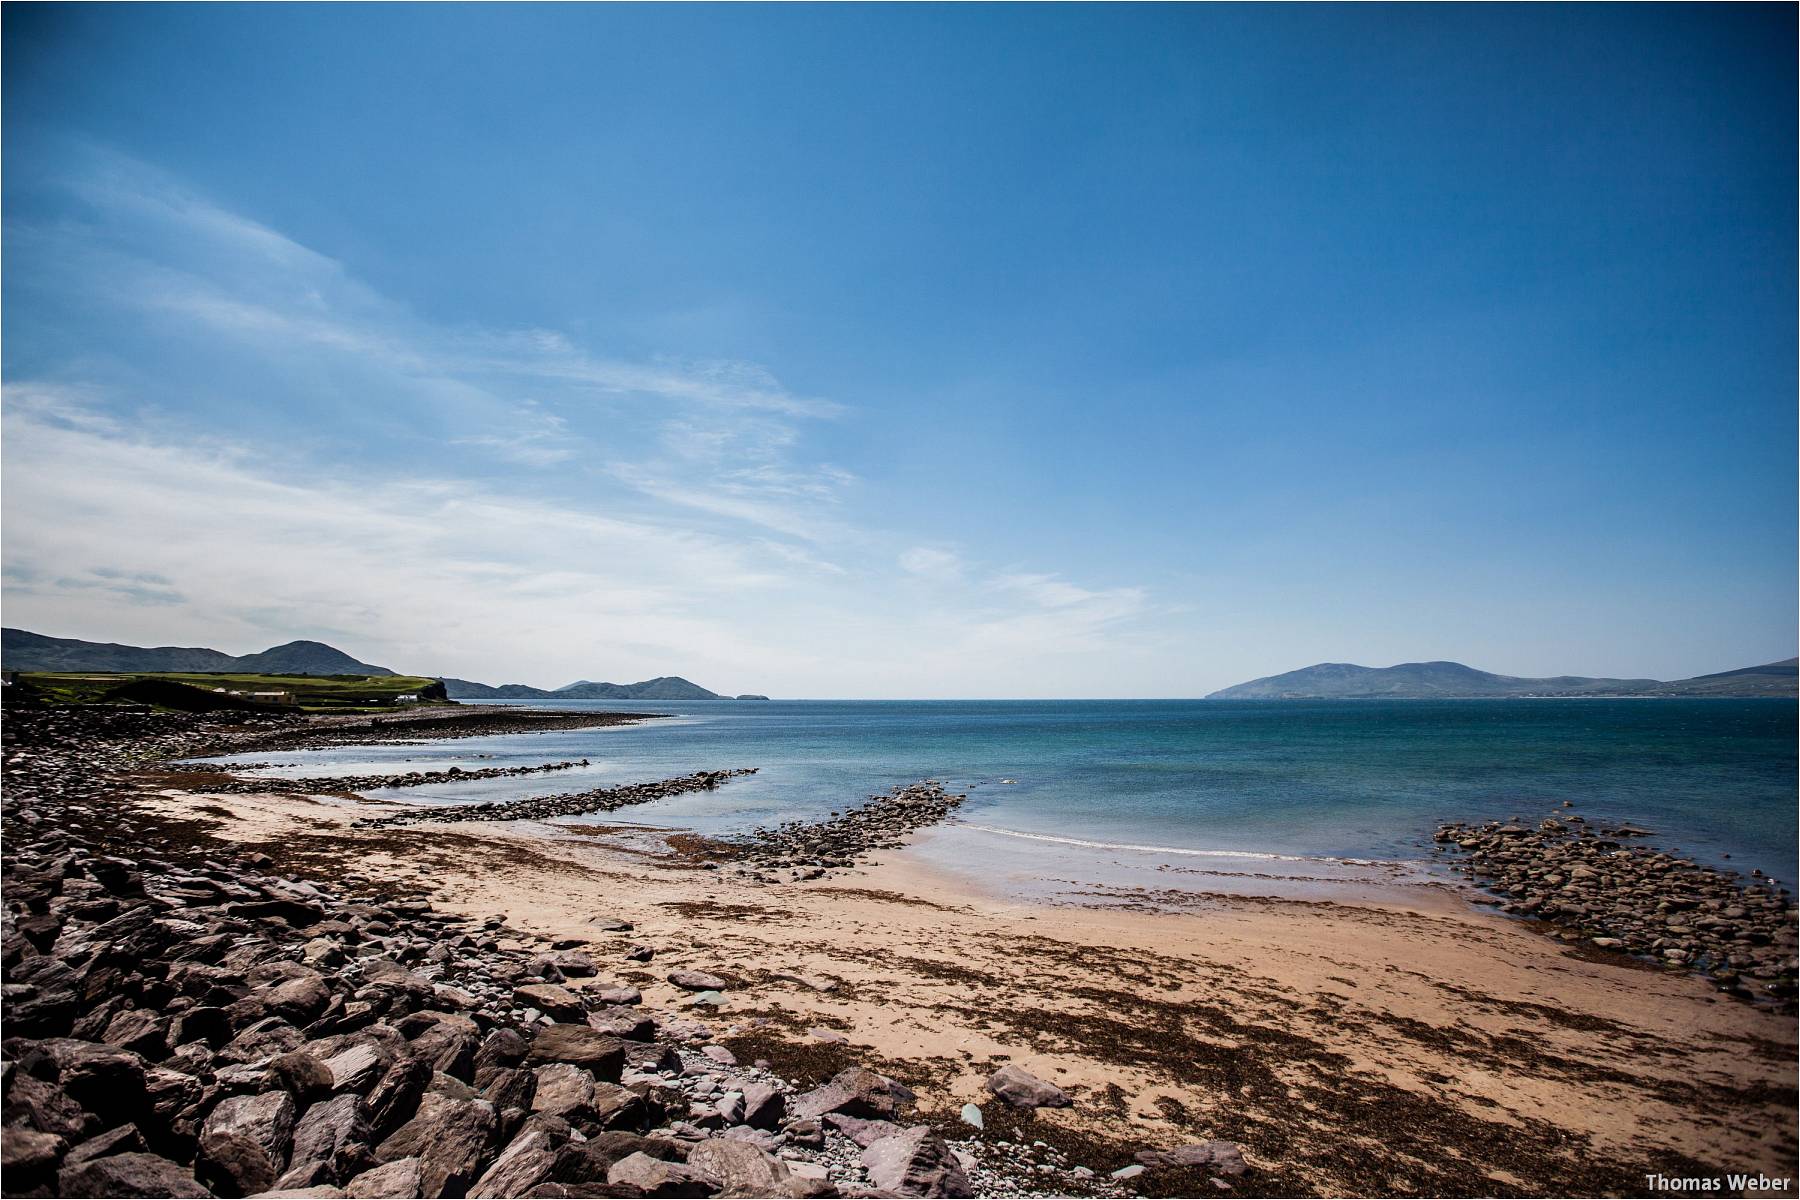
(1364, 779)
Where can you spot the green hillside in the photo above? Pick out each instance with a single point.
(198, 691)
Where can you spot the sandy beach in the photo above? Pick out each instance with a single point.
(1386, 1038)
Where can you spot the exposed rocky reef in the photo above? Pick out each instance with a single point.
(1605, 887)
(809, 849)
(569, 804)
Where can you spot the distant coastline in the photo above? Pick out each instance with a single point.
(1455, 681)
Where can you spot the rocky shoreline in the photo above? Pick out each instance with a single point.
(1598, 885)
(184, 1019)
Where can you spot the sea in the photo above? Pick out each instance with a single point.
(1139, 793)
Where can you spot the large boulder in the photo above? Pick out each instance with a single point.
(857, 1092)
(916, 1162)
(27, 1156)
(396, 1096)
(764, 1106)
(1021, 1089)
(450, 1139)
(333, 1132)
(557, 1003)
(564, 1090)
(737, 1168)
(128, 1175)
(244, 1143)
(584, 1047)
(401, 1179)
(654, 1177)
(357, 1068)
(522, 1165)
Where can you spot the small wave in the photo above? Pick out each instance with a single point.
(1181, 850)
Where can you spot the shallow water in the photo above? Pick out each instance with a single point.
(1175, 783)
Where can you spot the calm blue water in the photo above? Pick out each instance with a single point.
(1364, 779)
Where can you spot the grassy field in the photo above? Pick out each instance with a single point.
(194, 690)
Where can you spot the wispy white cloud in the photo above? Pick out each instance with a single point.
(572, 514)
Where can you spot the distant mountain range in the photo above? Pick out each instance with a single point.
(663, 687)
(1452, 680)
(22, 650)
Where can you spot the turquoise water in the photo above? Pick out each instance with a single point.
(1362, 779)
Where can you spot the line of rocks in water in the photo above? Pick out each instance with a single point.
(569, 804)
(242, 784)
(809, 849)
(1590, 884)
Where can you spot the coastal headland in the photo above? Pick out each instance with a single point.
(224, 986)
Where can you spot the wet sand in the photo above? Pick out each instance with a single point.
(1363, 1036)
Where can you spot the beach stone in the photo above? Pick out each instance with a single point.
(863, 1132)
(26, 1154)
(738, 1168)
(656, 1178)
(764, 1106)
(697, 981)
(332, 1132)
(395, 1098)
(244, 1142)
(916, 1162)
(589, 1048)
(128, 1175)
(620, 1022)
(622, 994)
(1021, 1089)
(126, 1139)
(971, 1115)
(522, 1165)
(563, 1090)
(402, 1178)
(448, 1136)
(356, 1069)
(557, 1003)
(856, 1092)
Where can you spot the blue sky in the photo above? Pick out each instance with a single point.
(905, 351)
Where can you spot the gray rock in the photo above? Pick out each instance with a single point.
(128, 1175)
(764, 1106)
(390, 1181)
(856, 1092)
(916, 1163)
(578, 1044)
(1021, 1089)
(564, 1090)
(654, 1177)
(740, 1169)
(697, 981)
